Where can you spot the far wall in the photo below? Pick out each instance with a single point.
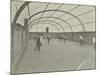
(75, 36)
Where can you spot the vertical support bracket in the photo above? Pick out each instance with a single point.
(26, 29)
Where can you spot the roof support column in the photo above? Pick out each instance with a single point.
(26, 29)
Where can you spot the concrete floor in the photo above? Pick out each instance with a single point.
(57, 56)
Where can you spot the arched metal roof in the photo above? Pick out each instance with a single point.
(72, 17)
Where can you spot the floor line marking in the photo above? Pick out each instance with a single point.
(83, 62)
